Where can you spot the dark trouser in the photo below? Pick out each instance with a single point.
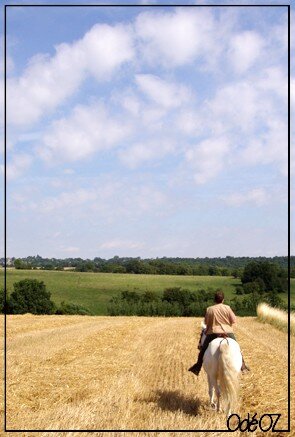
(207, 341)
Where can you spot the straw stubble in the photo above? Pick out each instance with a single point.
(79, 372)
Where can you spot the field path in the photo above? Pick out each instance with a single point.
(78, 372)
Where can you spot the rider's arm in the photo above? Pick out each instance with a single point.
(232, 317)
(207, 321)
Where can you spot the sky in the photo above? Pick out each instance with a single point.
(147, 131)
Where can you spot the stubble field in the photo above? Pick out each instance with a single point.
(77, 372)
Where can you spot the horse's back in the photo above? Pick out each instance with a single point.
(211, 356)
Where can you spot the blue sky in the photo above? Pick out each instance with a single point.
(147, 132)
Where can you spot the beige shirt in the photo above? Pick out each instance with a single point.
(219, 319)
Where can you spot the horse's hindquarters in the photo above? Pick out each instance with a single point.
(222, 362)
(211, 355)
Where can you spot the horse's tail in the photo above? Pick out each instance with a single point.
(228, 377)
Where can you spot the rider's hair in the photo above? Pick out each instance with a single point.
(219, 296)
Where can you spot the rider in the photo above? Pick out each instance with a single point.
(219, 319)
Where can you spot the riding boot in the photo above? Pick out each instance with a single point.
(244, 366)
(196, 368)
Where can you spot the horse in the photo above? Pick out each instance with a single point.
(222, 362)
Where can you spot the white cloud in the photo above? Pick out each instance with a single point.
(22, 202)
(270, 147)
(49, 81)
(147, 199)
(140, 153)
(256, 196)
(69, 249)
(105, 48)
(154, 65)
(121, 244)
(175, 38)
(67, 200)
(153, 118)
(19, 164)
(279, 34)
(87, 129)
(132, 200)
(236, 105)
(273, 80)
(166, 94)
(207, 158)
(253, 113)
(245, 49)
(131, 103)
(190, 122)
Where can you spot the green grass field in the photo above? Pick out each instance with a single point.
(94, 290)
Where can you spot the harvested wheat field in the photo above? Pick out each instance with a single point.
(78, 372)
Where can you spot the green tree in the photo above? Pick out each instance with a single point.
(256, 286)
(213, 271)
(130, 296)
(240, 290)
(135, 266)
(18, 264)
(237, 273)
(274, 299)
(30, 296)
(270, 276)
(70, 308)
(176, 294)
(149, 296)
(2, 300)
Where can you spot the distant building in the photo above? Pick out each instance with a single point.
(9, 262)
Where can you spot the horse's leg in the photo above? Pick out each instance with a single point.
(211, 392)
(217, 391)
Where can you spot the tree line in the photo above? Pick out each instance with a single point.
(179, 302)
(228, 266)
(260, 282)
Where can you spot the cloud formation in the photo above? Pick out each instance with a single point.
(257, 196)
(175, 38)
(48, 81)
(161, 92)
(245, 49)
(88, 129)
(207, 158)
(18, 165)
(120, 244)
(171, 104)
(142, 153)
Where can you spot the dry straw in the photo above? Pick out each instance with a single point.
(276, 317)
(95, 373)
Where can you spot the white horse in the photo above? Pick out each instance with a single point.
(222, 362)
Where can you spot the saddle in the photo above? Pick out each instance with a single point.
(222, 335)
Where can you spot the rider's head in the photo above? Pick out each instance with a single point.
(219, 296)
